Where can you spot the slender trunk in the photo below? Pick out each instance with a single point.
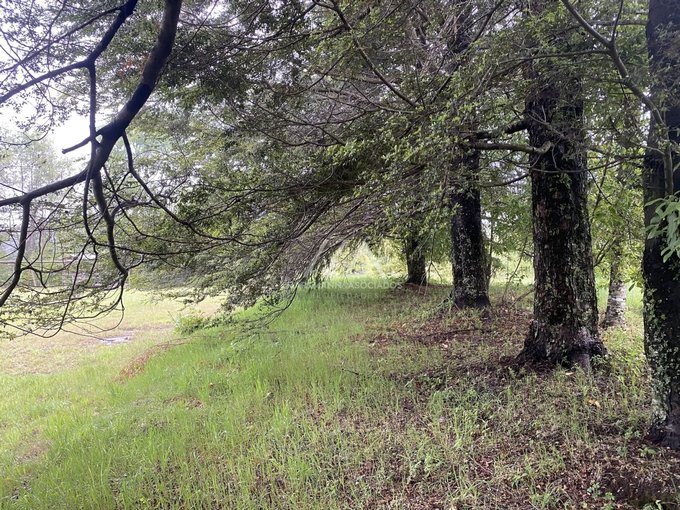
(662, 279)
(415, 262)
(615, 316)
(564, 328)
(470, 281)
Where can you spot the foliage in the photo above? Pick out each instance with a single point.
(281, 133)
(666, 224)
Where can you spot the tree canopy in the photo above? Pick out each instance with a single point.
(233, 147)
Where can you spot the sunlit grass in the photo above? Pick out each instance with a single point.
(148, 318)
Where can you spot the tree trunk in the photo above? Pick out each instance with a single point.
(470, 281)
(415, 262)
(615, 316)
(470, 277)
(564, 329)
(662, 279)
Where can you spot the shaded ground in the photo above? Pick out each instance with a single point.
(556, 433)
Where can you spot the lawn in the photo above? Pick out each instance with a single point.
(364, 397)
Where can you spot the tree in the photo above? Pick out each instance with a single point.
(416, 264)
(50, 58)
(300, 126)
(616, 223)
(661, 268)
(369, 106)
(617, 291)
(470, 279)
(28, 164)
(564, 329)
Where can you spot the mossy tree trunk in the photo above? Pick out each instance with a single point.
(615, 315)
(416, 263)
(662, 279)
(470, 279)
(564, 329)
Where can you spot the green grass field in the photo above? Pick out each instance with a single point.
(353, 398)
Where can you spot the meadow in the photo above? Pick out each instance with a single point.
(360, 395)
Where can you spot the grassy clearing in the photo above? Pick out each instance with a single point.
(148, 319)
(354, 398)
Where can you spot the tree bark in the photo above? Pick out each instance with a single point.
(470, 279)
(615, 316)
(564, 329)
(662, 279)
(415, 262)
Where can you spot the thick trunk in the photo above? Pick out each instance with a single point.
(470, 279)
(415, 262)
(662, 341)
(564, 329)
(615, 316)
(662, 279)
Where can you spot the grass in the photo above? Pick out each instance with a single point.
(353, 398)
(148, 319)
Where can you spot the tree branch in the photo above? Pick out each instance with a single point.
(111, 133)
(125, 12)
(613, 52)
